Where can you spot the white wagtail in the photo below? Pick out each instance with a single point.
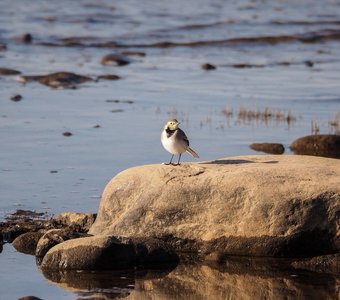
(175, 141)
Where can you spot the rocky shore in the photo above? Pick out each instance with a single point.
(255, 206)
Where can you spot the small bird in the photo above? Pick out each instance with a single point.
(175, 141)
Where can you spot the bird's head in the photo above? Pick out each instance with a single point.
(172, 124)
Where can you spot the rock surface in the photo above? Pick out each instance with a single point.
(327, 145)
(107, 253)
(27, 242)
(80, 222)
(54, 237)
(249, 205)
(271, 148)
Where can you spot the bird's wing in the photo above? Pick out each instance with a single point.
(181, 135)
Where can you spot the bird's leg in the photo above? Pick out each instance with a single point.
(170, 160)
(179, 158)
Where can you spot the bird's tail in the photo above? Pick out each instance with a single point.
(192, 152)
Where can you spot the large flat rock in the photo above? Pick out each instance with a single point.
(249, 205)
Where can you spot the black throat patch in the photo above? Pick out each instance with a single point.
(169, 132)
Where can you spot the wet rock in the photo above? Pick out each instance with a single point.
(54, 237)
(57, 80)
(96, 126)
(115, 60)
(1, 246)
(23, 221)
(30, 298)
(309, 63)
(271, 148)
(6, 71)
(67, 133)
(27, 242)
(208, 67)
(247, 66)
(16, 98)
(90, 253)
(134, 53)
(322, 264)
(108, 252)
(295, 201)
(3, 47)
(119, 101)
(27, 38)
(79, 222)
(326, 145)
(108, 77)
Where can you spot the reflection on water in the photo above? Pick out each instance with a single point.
(238, 278)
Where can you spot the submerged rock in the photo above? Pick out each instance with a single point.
(57, 80)
(208, 67)
(27, 242)
(108, 77)
(16, 98)
(115, 60)
(271, 148)
(249, 205)
(327, 145)
(6, 71)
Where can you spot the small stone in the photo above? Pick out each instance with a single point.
(96, 126)
(53, 171)
(67, 133)
(117, 110)
(208, 67)
(29, 298)
(115, 60)
(16, 98)
(109, 77)
(27, 38)
(6, 71)
(309, 63)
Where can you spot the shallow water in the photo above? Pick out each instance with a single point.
(40, 169)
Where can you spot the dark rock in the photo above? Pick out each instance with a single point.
(1, 244)
(53, 171)
(108, 77)
(115, 60)
(6, 71)
(153, 252)
(96, 126)
(57, 80)
(16, 98)
(322, 264)
(67, 133)
(27, 38)
(208, 67)
(3, 47)
(54, 237)
(117, 110)
(272, 148)
(326, 145)
(119, 101)
(23, 221)
(309, 63)
(134, 53)
(246, 66)
(79, 222)
(27, 242)
(29, 298)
